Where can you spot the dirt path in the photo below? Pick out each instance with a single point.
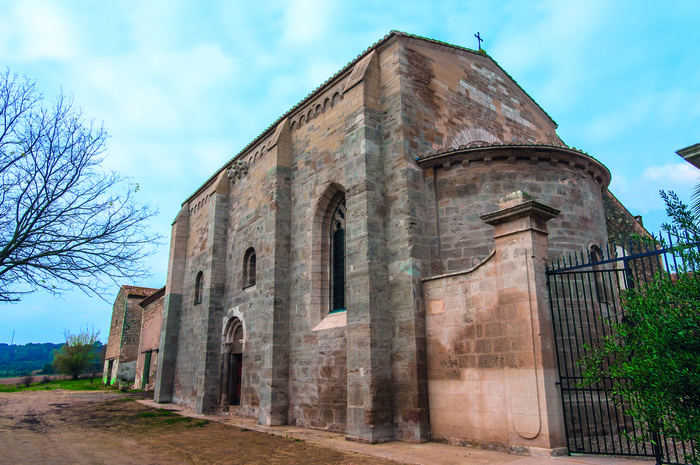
(68, 427)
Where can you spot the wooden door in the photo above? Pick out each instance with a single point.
(234, 383)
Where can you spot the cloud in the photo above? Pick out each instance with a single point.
(159, 90)
(682, 173)
(640, 194)
(36, 30)
(551, 39)
(305, 21)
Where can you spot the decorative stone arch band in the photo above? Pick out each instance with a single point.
(231, 316)
(511, 153)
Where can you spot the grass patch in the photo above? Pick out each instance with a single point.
(119, 401)
(167, 416)
(199, 424)
(172, 421)
(68, 384)
(161, 412)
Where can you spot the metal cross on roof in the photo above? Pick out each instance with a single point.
(478, 37)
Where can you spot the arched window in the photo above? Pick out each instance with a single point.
(602, 290)
(337, 258)
(249, 268)
(199, 288)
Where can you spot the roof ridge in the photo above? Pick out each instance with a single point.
(346, 68)
(481, 52)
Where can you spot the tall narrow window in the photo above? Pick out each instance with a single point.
(337, 256)
(199, 288)
(249, 268)
(601, 289)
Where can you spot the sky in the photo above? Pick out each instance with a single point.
(183, 85)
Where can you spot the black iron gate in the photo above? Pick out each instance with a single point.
(584, 293)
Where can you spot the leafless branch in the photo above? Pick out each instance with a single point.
(64, 222)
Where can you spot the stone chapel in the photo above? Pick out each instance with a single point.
(373, 262)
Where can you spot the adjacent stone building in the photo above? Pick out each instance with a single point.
(145, 377)
(125, 334)
(359, 267)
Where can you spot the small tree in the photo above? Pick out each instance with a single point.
(27, 379)
(77, 354)
(653, 355)
(48, 369)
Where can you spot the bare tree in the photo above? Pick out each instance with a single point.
(64, 222)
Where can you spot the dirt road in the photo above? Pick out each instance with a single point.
(69, 427)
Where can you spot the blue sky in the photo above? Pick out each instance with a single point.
(182, 86)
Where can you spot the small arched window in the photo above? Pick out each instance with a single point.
(602, 289)
(337, 256)
(199, 288)
(249, 268)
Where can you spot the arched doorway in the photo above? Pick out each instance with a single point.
(232, 357)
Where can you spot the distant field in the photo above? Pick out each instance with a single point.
(16, 360)
(38, 378)
(57, 382)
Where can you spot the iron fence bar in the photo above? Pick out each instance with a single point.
(629, 279)
(619, 409)
(590, 335)
(556, 349)
(665, 258)
(634, 262)
(619, 412)
(603, 321)
(566, 365)
(675, 449)
(571, 299)
(578, 357)
(644, 271)
(655, 445)
(670, 243)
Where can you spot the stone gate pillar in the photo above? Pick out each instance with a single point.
(533, 404)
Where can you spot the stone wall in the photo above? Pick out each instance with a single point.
(125, 333)
(457, 99)
(471, 184)
(317, 358)
(150, 338)
(115, 328)
(491, 362)
(620, 222)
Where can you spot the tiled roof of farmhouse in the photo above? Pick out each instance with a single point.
(347, 67)
(139, 291)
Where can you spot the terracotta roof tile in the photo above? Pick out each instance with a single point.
(139, 291)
